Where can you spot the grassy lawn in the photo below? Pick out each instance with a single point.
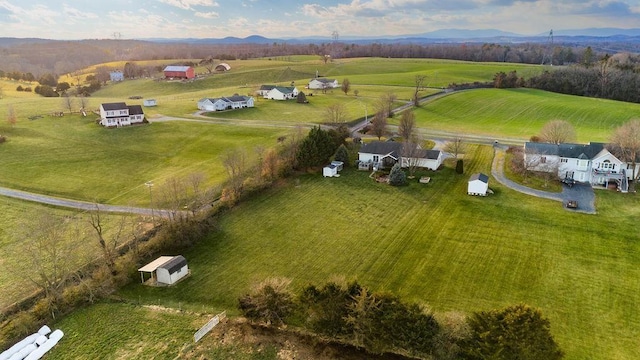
(521, 113)
(122, 331)
(75, 158)
(433, 244)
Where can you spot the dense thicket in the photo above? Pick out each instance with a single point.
(383, 322)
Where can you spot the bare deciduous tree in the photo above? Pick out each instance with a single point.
(68, 102)
(407, 125)
(379, 124)
(385, 104)
(419, 84)
(625, 143)
(335, 113)
(12, 118)
(411, 155)
(234, 162)
(558, 132)
(455, 146)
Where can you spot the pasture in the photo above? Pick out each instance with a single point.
(432, 244)
(521, 113)
(428, 243)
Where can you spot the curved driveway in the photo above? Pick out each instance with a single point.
(583, 194)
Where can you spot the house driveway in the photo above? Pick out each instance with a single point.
(581, 193)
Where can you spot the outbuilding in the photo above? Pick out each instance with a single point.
(330, 171)
(179, 72)
(150, 102)
(165, 270)
(223, 67)
(478, 184)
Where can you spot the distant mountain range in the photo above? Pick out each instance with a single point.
(438, 36)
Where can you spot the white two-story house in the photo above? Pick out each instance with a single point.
(586, 163)
(120, 114)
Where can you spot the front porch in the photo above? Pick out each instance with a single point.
(608, 179)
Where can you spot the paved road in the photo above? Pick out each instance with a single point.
(583, 194)
(81, 205)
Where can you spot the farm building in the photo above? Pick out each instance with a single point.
(323, 83)
(165, 270)
(150, 102)
(179, 72)
(116, 76)
(225, 103)
(223, 67)
(281, 93)
(120, 114)
(478, 184)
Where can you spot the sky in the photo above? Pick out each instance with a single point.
(139, 19)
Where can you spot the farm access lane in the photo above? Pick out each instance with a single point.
(81, 205)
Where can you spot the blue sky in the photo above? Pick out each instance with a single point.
(98, 19)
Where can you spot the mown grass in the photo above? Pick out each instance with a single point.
(433, 244)
(123, 331)
(521, 113)
(75, 158)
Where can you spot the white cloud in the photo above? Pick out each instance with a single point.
(189, 4)
(207, 15)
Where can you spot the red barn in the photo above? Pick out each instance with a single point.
(179, 72)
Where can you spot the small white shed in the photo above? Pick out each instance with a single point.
(478, 184)
(330, 171)
(150, 102)
(166, 270)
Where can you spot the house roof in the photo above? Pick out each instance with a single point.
(176, 68)
(155, 264)
(479, 176)
(382, 148)
(324, 80)
(236, 98)
(267, 87)
(174, 264)
(284, 89)
(135, 110)
(114, 106)
(573, 151)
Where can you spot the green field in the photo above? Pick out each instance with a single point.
(433, 244)
(521, 113)
(427, 243)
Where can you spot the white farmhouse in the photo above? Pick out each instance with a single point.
(120, 114)
(282, 93)
(478, 184)
(116, 76)
(384, 154)
(589, 163)
(323, 83)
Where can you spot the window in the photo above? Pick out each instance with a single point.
(607, 165)
(564, 160)
(543, 160)
(376, 158)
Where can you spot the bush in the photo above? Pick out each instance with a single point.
(397, 177)
(459, 167)
(19, 88)
(269, 302)
(516, 332)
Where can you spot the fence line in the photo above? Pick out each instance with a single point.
(208, 326)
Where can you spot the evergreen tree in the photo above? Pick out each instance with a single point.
(342, 154)
(315, 149)
(459, 167)
(516, 332)
(397, 177)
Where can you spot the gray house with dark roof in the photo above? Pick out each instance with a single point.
(589, 163)
(384, 154)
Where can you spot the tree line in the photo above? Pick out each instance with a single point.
(381, 322)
